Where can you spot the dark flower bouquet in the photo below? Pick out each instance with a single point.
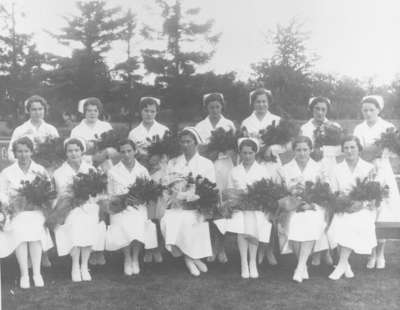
(167, 145)
(207, 200)
(222, 141)
(37, 194)
(328, 133)
(390, 140)
(144, 191)
(262, 196)
(111, 139)
(90, 184)
(279, 133)
(50, 152)
(365, 194)
(319, 193)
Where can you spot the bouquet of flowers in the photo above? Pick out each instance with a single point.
(390, 140)
(262, 196)
(37, 194)
(279, 133)
(328, 133)
(222, 141)
(167, 145)
(365, 194)
(86, 185)
(50, 152)
(111, 139)
(319, 193)
(144, 191)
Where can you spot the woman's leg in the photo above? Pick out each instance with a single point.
(304, 253)
(253, 246)
(85, 254)
(76, 269)
(372, 259)
(243, 251)
(271, 255)
(343, 264)
(148, 256)
(136, 246)
(35, 251)
(45, 260)
(380, 254)
(200, 265)
(21, 252)
(127, 260)
(189, 262)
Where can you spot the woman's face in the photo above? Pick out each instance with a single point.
(127, 153)
(23, 154)
(261, 104)
(214, 108)
(370, 111)
(36, 111)
(92, 113)
(73, 153)
(247, 155)
(188, 144)
(149, 113)
(320, 110)
(302, 152)
(351, 150)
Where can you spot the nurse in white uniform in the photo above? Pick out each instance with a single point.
(25, 233)
(214, 103)
(261, 118)
(369, 132)
(35, 128)
(130, 228)
(82, 232)
(186, 231)
(351, 231)
(148, 127)
(306, 228)
(251, 227)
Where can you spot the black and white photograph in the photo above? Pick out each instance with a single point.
(199, 154)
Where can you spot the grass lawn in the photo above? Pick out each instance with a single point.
(169, 286)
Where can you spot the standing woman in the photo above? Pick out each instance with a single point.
(35, 128)
(251, 227)
(368, 132)
(214, 103)
(149, 127)
(81, 233)
(305, 227)
(261, 118)
(130, 228)
(27, 232)
(351, 231)
(185, 231)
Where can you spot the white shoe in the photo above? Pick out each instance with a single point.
(380, 263)
(348, 273)
(336, 274)
(135, 267)
(200, 265)
(298, 276)
(192, 267)
(76, 275)
(253, 272)
(86, 275)
(128, 268)
(38, 280)
(24, 282)
(371, 262)
(245, 273)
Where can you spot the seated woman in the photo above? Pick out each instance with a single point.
(306, 227)
(26, 233)
(81, 232)
(251, 227)
(130, 228)
(185, 231)
(351, 231)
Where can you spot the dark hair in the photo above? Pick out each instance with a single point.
(74, 141)
(126, 141)
(214, 97)
(352, 138)
(248, 142)
(146, 101)
(24, 141)
(188, 133)
(372, 100)
(301, 139)
(94, 102)
(259, 92)
(36, 98)
(319, 99)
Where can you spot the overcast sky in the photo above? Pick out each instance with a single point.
(359, 38)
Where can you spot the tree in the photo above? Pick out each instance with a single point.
(188, 44)
(90, 34)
